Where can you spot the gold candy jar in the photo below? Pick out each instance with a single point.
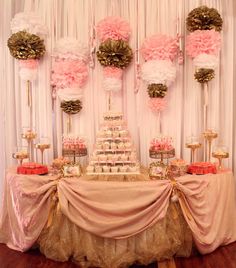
(220, 152)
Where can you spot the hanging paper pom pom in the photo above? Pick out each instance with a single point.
(112, 84)
(28, 21)
(29, 64)
(204, 18)
(158, 72)
(70, 48)
(28, 74)
(113, 72)
(24, 46)
(114, 28)
(206, 61)
(157, 104)
(160, 47)
(115, 53)
(199, 42)
(157, 90)
(204, 75)
(72, 73)
(71, 107)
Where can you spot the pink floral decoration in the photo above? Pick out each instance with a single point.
(71, 73)
(203, 41)
(114, 28)
(162, 143)
(113, 72)
(160, 47)
(157, 104)
(29, 64)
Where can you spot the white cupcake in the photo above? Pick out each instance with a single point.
(121, 145)
(114, 169)
(113, 146)
(98, 169)
(106, 145)
(123, 157)
(106, 169)
(128, 145)
(90, 169)
(115, 134)
(102, 157)
(123, 169)
(108, 133)
(115, 157)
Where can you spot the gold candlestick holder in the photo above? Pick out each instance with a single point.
(209, 136)
(193, 143)
(20, 154)
(43, 144)
(220, 153)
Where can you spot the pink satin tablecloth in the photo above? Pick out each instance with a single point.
(118, 209)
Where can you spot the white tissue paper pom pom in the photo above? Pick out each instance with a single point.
(28, 21)
(158, 72)
(206, 61)
(70, 48)
(67, 94)
(28, 74)
(112, 84)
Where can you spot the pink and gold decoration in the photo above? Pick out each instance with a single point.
(70, 65)
(27, 45)
(114, 53)
(158, 71)
(69, 75)
(203, 46)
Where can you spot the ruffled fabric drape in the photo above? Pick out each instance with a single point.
(118, 209)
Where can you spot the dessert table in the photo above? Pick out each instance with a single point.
(113, 223)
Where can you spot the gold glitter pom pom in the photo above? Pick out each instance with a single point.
(24, 46)
(204, 18)
(71, 107)
(157, 90)
(115, 53)
(204, 75)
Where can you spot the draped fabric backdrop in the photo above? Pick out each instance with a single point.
(76, 18)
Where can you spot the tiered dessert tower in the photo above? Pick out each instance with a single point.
(114, 152)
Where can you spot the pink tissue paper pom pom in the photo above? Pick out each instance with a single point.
(160, 47)
(205, 41)
(115, 28)
(157, 104)
(69, 74)
(29, 64)
(112, 72)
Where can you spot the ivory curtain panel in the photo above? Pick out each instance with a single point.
(76, 18)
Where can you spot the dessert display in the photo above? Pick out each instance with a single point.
(161, 148)
(220, 152)
(32, 169)
(73, 144)
(209, 136)
(193, 143)
(113, 151)
(178, 167)
(201, 168)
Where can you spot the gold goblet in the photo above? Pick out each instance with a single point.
(209, 135)
(20, 154)
(220, 153)
(193, 143)
(42, 145)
